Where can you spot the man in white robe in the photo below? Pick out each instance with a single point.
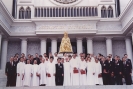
(35, 77)
(90, 72)
(98, 72)
(55, 58)
(67, 73)
(20, 70)
(74, 71)
(42, 73)
(50, 73)
(82, 68)
(27, 74)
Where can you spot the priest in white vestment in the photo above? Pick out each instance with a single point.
(82, 68)
(67, 73)
(74, 70)
(27, 74)
(50, 73)
(42, 73)
(98, 72)
(90, 72)
(35, 77)
(20, 75)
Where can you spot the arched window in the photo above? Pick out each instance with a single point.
(93, 12)
(21, 13)
(103, 12)
(110, 12)
(28, 13)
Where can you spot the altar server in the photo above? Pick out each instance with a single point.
(74, 70)
(98, 73)
(90, 72)
(82, 68)
(51, 73)
(27, 74)
(20, 70)
(35, 77)
(42, 73)
(67, 73)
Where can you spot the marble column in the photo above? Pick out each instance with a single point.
(129, 48)
(53, 45)
(43, 46)
(0, 40)
(4, 53)
(90, 45)
(109, 45)
(79, 46)
(24, 46)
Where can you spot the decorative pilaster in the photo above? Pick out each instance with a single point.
(4, 53)
(79, 46)
(109, 45)
(53, 45)
(129, 48)
(90, 45)
(43, 46)
(24, 46)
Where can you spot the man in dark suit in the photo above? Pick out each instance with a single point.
(110, 68)
(127, 69)
(10, 72)
(118, 70)
(104, 70)
(59, 73)
(37, 58)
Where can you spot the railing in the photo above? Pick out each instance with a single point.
(65, 11)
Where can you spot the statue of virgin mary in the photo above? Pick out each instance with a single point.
(65, 45)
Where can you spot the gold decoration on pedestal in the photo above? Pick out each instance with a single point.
(65, 45)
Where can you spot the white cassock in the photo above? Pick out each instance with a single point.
(35, 78)
(90, 71)
(55, 60)
(98, 70)
(20, 70)
(74, 76)
(27, 75)
(67, 74)
(51, 70)
(42, 72)
(82, 66)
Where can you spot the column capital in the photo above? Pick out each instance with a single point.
(79, 38)
(43, 38)
(89, 38)
(24, 39)
(127, 38)
(109, 38)
(5, 39)
(52, 38)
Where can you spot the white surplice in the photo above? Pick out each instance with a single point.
(20, 70)
(74, 76)
(98, 70)
(42, 73)
(35, 78)
(51, 70)
(27, 75)
(82, 66)
(90, 71)
(67, 74)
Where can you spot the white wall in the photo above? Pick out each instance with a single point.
(8, 4)
(123, 4)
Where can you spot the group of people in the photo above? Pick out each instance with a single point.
(68, 70)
